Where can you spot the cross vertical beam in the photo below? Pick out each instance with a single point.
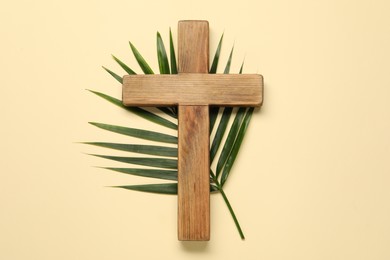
(194, 139)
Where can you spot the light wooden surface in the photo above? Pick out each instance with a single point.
(193, 89)
(194, 139)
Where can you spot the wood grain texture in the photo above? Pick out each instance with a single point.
(194, 173)
(194, 139)
(193, 46)
(193, 89)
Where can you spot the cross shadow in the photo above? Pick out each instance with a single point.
(195, 246)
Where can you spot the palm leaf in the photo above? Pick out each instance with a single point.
(152, 162)
(116, 76)
(214, 65)
(149, 173)
(163, 66)
(168, 111)
(213, 117)
(138, 133)
(163, 62)
(225, 117)
(124, 66)
(228, 146)
(164, 188)
(172, 53)
(141, 61)
(173, 63)
(135, 148)
(213, 70)
(229, 62)
(242, 67)
(138, 111)
(165, 70)
(220, 132)
(236, 146)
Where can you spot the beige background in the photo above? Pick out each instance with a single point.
(312, 180)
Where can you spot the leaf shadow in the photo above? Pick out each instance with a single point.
(195, 246)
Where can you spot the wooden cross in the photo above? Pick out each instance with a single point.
(193, 90)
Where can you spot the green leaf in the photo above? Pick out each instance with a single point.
(214, 110)
(116, 76)
(236, 146)
(225, 117)
(214, 65)
(138, 133)
(141, 61)
(220, 132)
(172, 52)
(152, 162)
(149, 173)
(173, 63)
(164, 188)
(213, 117)
(168, 111)
(131, 72)
(163, 62)
(138, 111)
(232, 213)
(213, 188)
(124, 66)
(228, 146)
(229, 62)
(136, 148)
(242, 67)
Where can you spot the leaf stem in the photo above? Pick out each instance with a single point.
(219, 187)
(232, 213)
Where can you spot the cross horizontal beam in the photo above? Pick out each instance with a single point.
(193, 89)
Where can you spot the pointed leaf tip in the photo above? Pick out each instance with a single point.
(141, 61)
(164, 188)
(148, 173)
(114, 75)
(138, 133)
(172, 54)
(123, 66)
(152, 162)
(138, 111)
(228, 64)
(137, 148)
(214, 65)
(163, 62)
